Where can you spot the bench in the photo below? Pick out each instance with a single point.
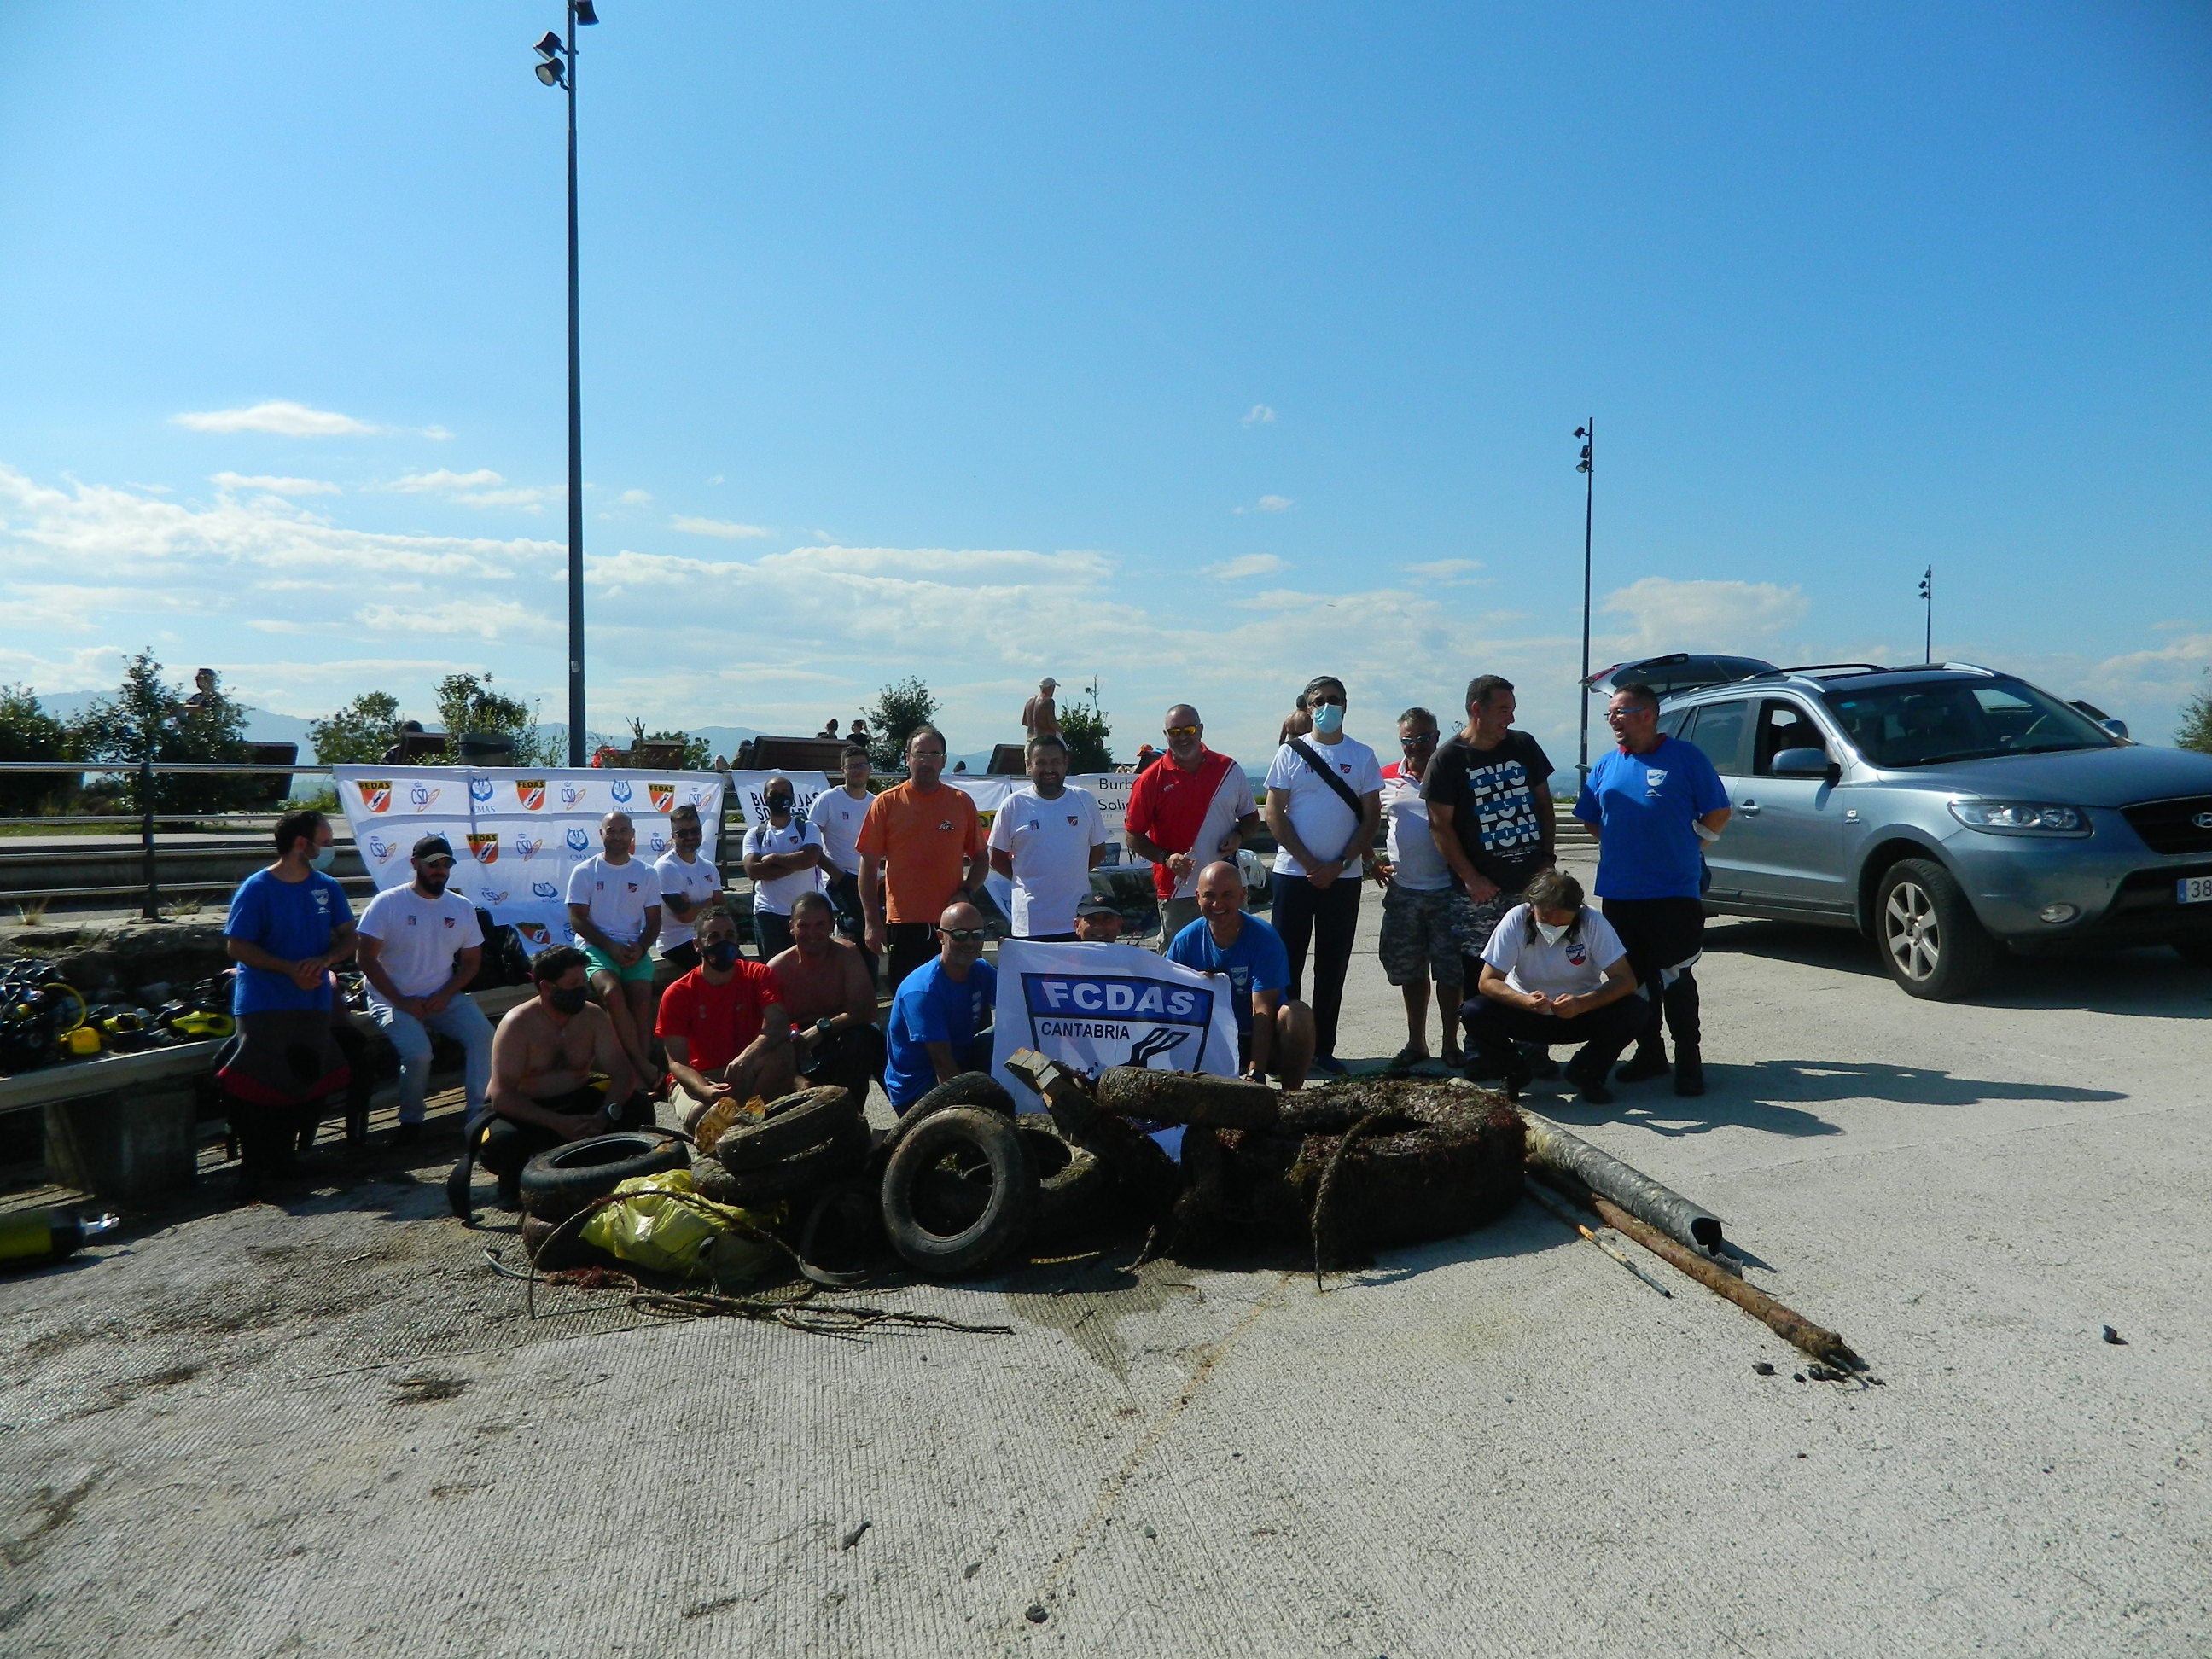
(125, 1127)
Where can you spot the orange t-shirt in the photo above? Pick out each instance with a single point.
(925, 842)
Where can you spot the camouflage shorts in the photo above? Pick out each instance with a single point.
(1425, 935)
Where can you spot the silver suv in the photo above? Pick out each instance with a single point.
(1948, 813)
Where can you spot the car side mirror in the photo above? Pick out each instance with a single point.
(1804, 763)
(2118, 728)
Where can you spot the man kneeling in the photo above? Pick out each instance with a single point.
(723, 1027)
(1554, 971)
(544, 1057)
(827, 989)
(1274, 1037)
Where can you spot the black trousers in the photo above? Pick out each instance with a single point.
(508, 1145)
(1325, 918)
(1492, 1029)
(907, 945)
(1657, 933)
(851, 1057)
(844, 895)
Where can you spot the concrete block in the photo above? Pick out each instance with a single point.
(131, 1145)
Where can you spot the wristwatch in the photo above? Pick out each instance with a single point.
(822, 1025)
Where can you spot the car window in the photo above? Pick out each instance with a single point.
(1930, 721)
(1719, 732)
(1782, 725)
(1671, 722)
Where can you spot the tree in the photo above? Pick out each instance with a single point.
(1083, 724)
(467, 705)
(148, 719)
(900, 707)
(2196, 729)
(27, 733)
(359, 734)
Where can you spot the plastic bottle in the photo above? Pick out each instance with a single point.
(32, 1238)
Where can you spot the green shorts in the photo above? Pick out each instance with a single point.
(601, 963)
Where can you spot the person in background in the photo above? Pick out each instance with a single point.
(1324, 801)
(419, 947)
(1147, 753)
(544, 1057)
(1554, 971)
(202, 693)
(827, 989)
(1047, 839)
(614, 907)
(836, 815)
(1423, 937)
(289, 923)
(690, 887)
(829, 730)
(940, 1018)
(1650, 803)
(1275, 1033)
(784, 856)
(723, 1028)
(921, 848)
(1298, 723)
(1097, 920)
(1040, 713)
(857, 732)
(1193, 807)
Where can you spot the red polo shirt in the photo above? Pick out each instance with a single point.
(716, 1021)
(1168, 805)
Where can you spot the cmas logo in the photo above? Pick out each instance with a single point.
(620, 790)
(545, 890)
(662, 795)
(480, 791)
(420, 795)
(484, 848)
(572, 792)
(530, 792)
(579, 841)
(527, 845)
(375, 793)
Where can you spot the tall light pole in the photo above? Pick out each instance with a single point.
(1588, 433)
(1928, 619)
(557, 67)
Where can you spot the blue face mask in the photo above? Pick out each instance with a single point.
(1329, 718)
(721, 955)
(325, 857)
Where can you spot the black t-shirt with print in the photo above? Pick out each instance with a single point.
(1497, 797)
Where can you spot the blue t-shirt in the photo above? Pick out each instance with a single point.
(932, 1007)
(1257, 962)
(287, 919)
(1643, 806)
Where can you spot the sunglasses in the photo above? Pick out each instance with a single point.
(963, 935)
(683, 833)
(1426, 740)
(1181, 730)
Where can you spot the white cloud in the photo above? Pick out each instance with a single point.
(634, 498)
(1260, 414)
(285, 420)
(495, 619)
(482, 488)
(1238, 569)
(273, 486)
(1453, 571)
(444, 480)
(718, 527)
(1269, 504)
(1705, 615)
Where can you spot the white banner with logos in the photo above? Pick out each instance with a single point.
(749, 792)
(1090, 1007)
(516, 832)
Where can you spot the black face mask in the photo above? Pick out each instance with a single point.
(721, 955)
(779, 803)
(569, 1001)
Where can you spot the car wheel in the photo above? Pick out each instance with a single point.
(2196, 951)
(1932, 943)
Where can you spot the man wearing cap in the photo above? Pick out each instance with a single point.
(1097, 920)
(419, 948)
(1184, 812)
(1040, 713)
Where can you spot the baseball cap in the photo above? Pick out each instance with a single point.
(433, 846)
(1095, 904)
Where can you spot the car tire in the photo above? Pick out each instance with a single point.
(978, 1088)
(804, 1172)
(1004, 1224)
(791, 1124)
(558, 1182)
(1931, 942)
(1074, 1185)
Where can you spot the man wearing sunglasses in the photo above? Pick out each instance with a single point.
(1184, 812)
(689, 887)
(940, 1018)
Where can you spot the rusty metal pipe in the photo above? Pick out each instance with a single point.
(1552, 1148)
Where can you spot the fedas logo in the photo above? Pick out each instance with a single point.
(662, 795)
(1147, 1019)
(375, 793)
(530, 792)
(483, 846)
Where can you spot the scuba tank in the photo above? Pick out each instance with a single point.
(32, 1239)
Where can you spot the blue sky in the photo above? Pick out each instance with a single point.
(1196, 348)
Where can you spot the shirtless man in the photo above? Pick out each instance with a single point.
(543, 1057)
(829, 993)
(1040, 713)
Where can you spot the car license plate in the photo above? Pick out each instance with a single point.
(2193, 890)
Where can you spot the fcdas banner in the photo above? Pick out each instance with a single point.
(1090, 1007)
(516, 832)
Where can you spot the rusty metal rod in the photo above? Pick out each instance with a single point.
(1563, 1213)
(1791, 1327)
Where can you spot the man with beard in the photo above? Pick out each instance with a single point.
(827, 990)
(419, 948)
(545, 1059)
(723, 1029)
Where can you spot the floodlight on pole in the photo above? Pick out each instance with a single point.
(557, 67)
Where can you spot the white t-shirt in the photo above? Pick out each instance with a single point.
(1575, 965)
(775, 895)
(697, 881)
(1419, 867)
(417, 939)
(616, 895)
(837, 816)
(1323, 822)
(1051, 842)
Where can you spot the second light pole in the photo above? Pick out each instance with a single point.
(1588, 433)
(557, 67)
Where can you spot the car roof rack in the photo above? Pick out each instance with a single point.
(1812, 668)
